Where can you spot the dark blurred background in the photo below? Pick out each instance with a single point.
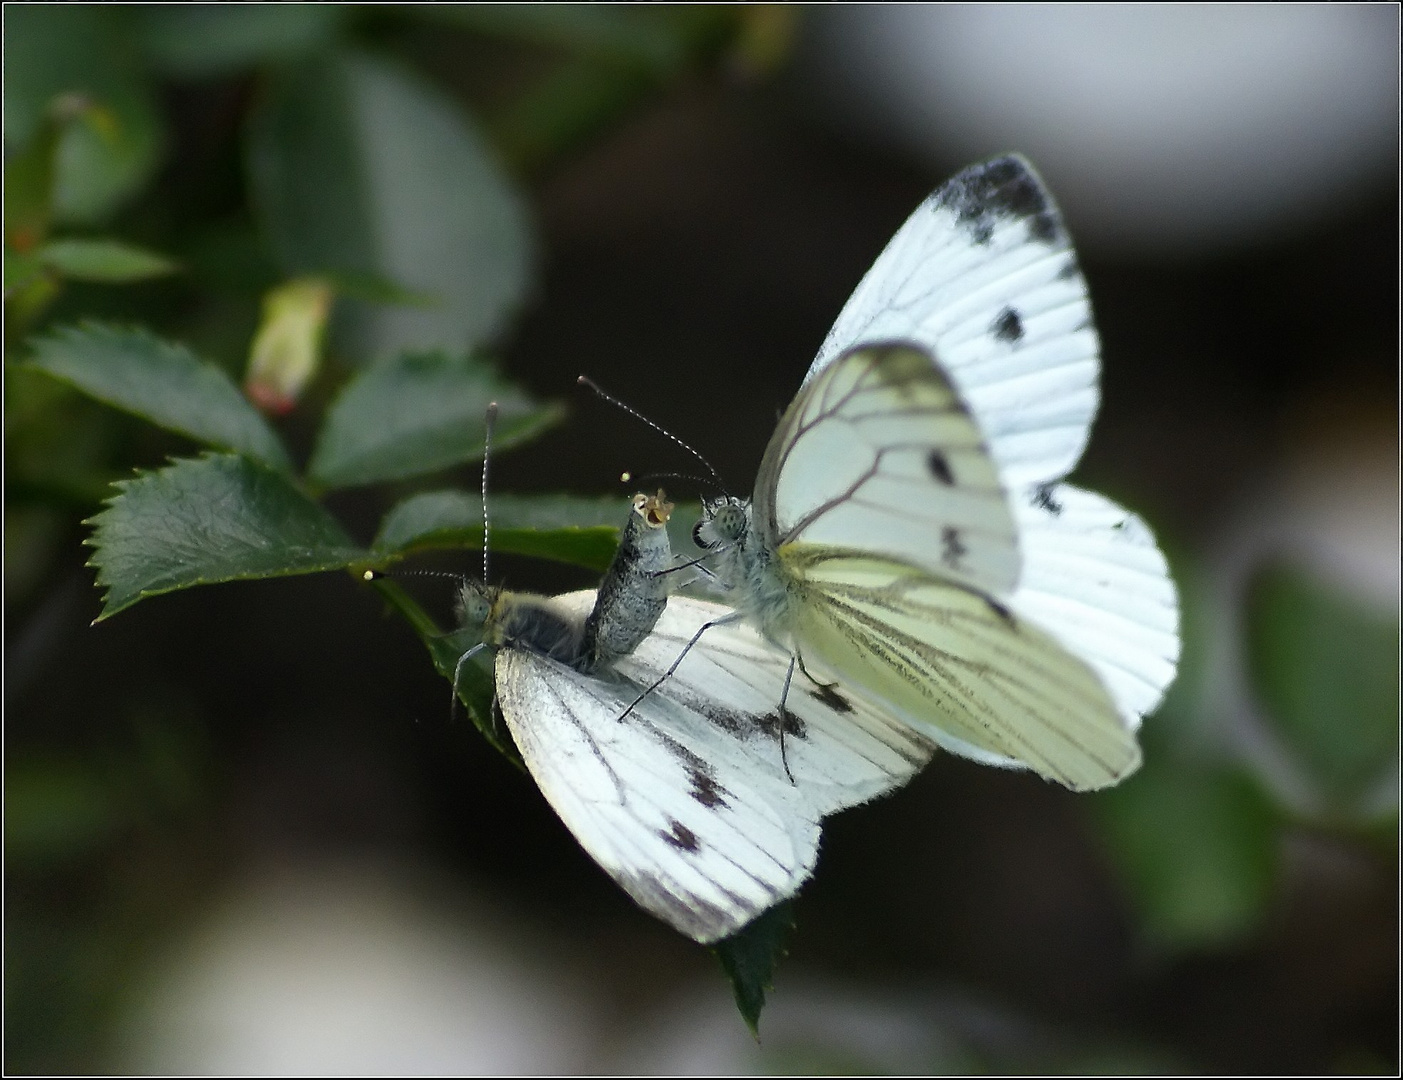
(242, 831)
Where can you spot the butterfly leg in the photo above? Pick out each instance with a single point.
(784, 716)
(457, 671)
(734, 616)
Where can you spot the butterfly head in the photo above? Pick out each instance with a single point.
(475, 603)
(723, 523)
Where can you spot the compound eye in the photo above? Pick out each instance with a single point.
(731, 522)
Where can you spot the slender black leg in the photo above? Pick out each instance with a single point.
(784, 717)
(734, 616)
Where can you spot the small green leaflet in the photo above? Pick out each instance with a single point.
(419, 413)
(216, 518)
(750, 956)
(158, 381)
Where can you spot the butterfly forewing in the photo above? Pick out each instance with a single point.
(879, 453)
(962, 667)
(983, 275)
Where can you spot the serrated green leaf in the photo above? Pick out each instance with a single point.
(1197, 850)
(217, 518)
(567, 528)
(213, 39)
(1326, 668)
(359, 168)
(750, 956)
(419, 413)
(159, 381)
(103, 260)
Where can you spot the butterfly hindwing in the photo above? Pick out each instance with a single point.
(1094, 578)
(879, 453)
(669, 805)
(960, 666)
(983, 276)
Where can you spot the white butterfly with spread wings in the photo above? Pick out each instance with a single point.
(910, 536)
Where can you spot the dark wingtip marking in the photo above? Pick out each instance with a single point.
(828, 694)
(1069, 270)
(1003, 187)
(940, 468)
(681, 837)
(1008, 326)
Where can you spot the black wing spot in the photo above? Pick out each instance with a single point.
(1008, 326)
(1001, 611)
(794, 727)
(705, 789)
(681, 837)
(828, 694)
(940, 468)
(1043, 499)
(952, 548)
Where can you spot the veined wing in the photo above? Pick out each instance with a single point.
(664, 800)
(839, 750)
(961, 667)
(1093, 578)
(879, 454)
(984, 276)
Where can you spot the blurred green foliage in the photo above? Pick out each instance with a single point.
(336, 168)
(1325, 670)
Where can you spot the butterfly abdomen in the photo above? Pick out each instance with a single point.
(633, 593)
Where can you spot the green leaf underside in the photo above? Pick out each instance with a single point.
(750, 956)
(213, 39)
(216, 518)
(359, 167)
(110, 261)
(161, 382)
(1197, 850)
(1326, 669)
(419, 413)
(54, 49)
(566, 528)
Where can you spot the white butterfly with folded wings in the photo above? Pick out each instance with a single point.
(911, 548)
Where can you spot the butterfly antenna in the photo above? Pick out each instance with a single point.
(585, 380)
(645, 481)
(486, 457)
(372, 575)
